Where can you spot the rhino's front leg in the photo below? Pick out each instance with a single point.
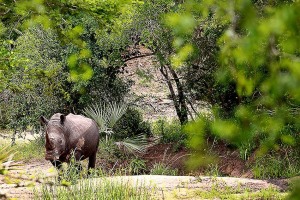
(78, 156)
(56, 164)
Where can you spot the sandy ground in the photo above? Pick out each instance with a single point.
(27, 177)
(162, 186)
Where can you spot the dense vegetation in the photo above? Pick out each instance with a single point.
(241, 57)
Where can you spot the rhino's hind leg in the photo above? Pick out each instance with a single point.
(92, 160)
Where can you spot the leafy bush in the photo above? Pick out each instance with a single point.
(108, 150)
(131, 124)
(266, 86)
(288, 137)
(169, 132)
(104, 48)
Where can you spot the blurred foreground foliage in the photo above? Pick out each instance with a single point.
(259, 55)
(6, 160)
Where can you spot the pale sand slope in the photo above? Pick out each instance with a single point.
(162, 187)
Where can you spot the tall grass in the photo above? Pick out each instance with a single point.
(90, 190)
(29, 151)
(277, 166)
(25, 149)
(70, 184)
(161, 168)
(234, 194)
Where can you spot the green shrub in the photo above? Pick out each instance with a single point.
(169, 132)
(131, 124)
(137, 166)
(287, 138)
(108, 150)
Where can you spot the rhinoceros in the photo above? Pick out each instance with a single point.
(70, 134)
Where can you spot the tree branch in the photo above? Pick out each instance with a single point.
(139, 56)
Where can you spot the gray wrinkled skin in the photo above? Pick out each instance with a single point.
(70, 134)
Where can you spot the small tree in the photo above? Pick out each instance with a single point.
(36, 80)
(156, 36)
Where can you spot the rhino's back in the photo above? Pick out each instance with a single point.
(79, 126)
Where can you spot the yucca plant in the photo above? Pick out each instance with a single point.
(136, 145)
(106, 116)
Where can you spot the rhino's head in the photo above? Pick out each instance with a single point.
(55, 136)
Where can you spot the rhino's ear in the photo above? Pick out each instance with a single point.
(43, 120)
(62, 119)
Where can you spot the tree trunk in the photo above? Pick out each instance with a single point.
(178, 99)
(181, 97)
